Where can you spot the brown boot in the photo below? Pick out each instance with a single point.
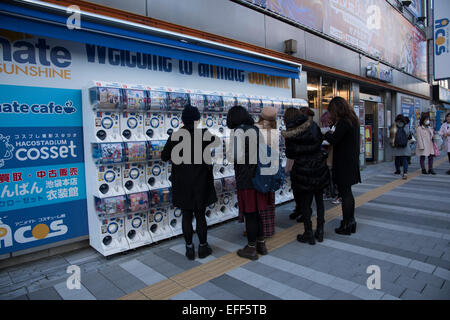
(261, 247)
(248, 252)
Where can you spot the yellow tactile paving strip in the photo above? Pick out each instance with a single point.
(203, 273)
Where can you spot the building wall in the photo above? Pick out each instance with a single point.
(229, 19)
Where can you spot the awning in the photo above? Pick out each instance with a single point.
(50, 24)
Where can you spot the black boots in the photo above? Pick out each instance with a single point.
(319, 232)
(204, 250)
(190, 252)
(424, 171)
(261, 247)
(431, 171)
(248, 252)
(308, 236)
(344, 228)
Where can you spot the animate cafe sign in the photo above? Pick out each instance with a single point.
(41, 61)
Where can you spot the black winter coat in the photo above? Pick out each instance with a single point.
(192, 184)
(244, 173)
(303, 145)
(345, 141)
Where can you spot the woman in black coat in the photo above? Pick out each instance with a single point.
(345, 140)
(192, 185)
(309, 175)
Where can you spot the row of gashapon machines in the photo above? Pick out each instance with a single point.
(125, 130)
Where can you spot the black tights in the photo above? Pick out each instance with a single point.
(305, 201)
(348, 203)
(254, 227)
(201, 228)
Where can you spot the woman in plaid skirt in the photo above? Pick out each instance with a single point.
(267, 126)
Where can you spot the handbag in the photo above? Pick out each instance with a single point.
(436, 150)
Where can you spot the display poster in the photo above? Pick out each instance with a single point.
(380, 115)
(361, 140)
(441, 38)
(388, 119)
(369, 142)
(380, 138)
(42, 185)
(407, 108)
(369, 25)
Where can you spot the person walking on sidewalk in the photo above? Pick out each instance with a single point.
(345, 141)
(250, 201)
(192, 186)
(267, 126)
(444, 132)
(401, 148)
(425, 147)
(309, 173)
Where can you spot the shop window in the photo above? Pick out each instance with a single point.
(327, 92)
(343, 90)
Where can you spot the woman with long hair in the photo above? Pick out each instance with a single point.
(267, 125)
(309, 174)
(250, 201)
(425, 147)
(345, 140)
(444, 132)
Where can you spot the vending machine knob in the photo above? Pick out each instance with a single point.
(153, 228)
(101, 134)
(170, 131)
(104, 188)
(149, 133)
(131, 234)
(151, 181)
(126, 133)
(107, 240)
(129, 184)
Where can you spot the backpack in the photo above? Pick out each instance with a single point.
(401, 140)
(268, 183)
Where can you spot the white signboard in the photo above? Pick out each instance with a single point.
(46, 62)
(441, 30)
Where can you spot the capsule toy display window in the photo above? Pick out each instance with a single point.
(135, 100)
(138, 202)
(255, 105)
(111, 205)
(107, 153)
(229, 102)
(243, 102)
(136, 151)
(214, 103)
(158, 100)
(197, 100)
(177, 101)
(106, 98)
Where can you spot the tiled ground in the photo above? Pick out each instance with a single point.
(406, 232)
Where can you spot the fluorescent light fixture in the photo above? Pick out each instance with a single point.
(311, 88)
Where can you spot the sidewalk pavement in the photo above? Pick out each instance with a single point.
(405, 232)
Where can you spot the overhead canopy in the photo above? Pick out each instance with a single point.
(28, 19)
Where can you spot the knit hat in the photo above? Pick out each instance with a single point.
(190, 114)
(269, 113)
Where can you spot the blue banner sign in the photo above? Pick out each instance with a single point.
(42, 183)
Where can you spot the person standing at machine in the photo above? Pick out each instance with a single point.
(250, 201)
(345, 142)
(267, 126)
(192, 186)
(444, 132)
(401, 148)
(309, 174)
(425, 147)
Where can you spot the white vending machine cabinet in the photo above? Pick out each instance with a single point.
(158, 223)
(175, 222)
(136, 229)
(134, 177)
(132, 126)
(112, 236)
(156, 175)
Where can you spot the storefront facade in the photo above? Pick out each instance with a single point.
(173, 52)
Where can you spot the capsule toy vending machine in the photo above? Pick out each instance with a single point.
(197, 99)
(177, 100)
(255, 107)
(175, 222)
(136, 220)
(104, 155)
(159, 215)
(211, 213)
(154, 117)
(229, 101)
(226, 201)
(135, 101)
(211, 112)
(157, 175)
(134, 170)
(278, 105)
